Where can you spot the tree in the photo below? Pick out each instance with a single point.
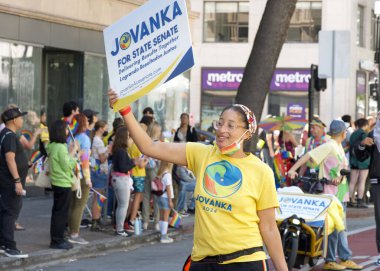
(262, 61)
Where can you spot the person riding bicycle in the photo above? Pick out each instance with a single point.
(235, 194)
(331, 158)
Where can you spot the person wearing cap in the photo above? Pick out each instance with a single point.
(13, 172)
(235, 193)
(92, 117)
(317, 138)
(330, 157)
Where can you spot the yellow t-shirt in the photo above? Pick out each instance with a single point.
(228, 194)
(134, 152)
(44, 136)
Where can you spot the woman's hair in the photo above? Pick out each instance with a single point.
(184, 114)
(117, 122)
(57, 131)
(147, 120)
(241, 112)
(164, 167)
(99, 124)
(121, 138)
(82, 123)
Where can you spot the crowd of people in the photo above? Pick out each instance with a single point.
(121, 164)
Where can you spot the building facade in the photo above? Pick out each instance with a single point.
(53, 51)
(223, 39)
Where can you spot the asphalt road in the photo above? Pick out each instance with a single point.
(170, 257)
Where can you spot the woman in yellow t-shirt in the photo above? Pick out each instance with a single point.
(235, 193)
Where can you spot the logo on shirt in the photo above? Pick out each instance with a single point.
(222, 179)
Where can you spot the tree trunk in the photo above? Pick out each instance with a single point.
(266, 49)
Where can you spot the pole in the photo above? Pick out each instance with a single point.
(333, 78)
(377, 58)
(311, 94)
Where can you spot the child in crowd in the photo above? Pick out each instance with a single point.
(165, 201)
(61, 164)
(138, 176)
(122, 164)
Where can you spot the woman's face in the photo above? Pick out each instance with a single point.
(232, 127)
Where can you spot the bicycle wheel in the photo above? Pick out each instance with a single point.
(290, 246)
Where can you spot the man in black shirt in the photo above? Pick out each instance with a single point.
(13, 172)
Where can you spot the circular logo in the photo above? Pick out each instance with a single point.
(222, 179)
(125, 41)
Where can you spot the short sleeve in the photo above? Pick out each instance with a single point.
(193, 151)
(268, 195)
(320, 153)
(10, 143)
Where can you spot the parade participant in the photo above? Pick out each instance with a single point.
(61, 172)
(78, 205)
(370, 147)
(235, 193)
(185, 133)
(330, 158)
(13, 172)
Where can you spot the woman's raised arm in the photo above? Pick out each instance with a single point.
(171, 152)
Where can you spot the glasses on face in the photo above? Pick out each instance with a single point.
(231, 126)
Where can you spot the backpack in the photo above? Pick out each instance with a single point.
(157, 186)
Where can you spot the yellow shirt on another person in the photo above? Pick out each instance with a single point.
(228, 194)
(134, 152)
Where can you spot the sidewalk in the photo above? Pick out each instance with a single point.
(35, 240)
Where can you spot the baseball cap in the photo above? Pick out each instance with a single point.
(89, 113)
(337, 127)
(11, 114)
(317, 121)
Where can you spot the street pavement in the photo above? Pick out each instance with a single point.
(35, 216)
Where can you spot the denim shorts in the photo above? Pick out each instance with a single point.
(99, 180)
(138, 184)
(163, 203)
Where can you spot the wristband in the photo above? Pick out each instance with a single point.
(125, 110)
(17, 180)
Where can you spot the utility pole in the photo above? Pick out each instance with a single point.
(311, 91)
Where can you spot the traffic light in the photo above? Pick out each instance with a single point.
(373, 90)
(320, 84)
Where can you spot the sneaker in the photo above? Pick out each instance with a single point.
(184, 213)
(77, 240)
(129, 228)
(2, 249)
(64, 245)
(122, 233)
(377, 263)
(15, 253)
(333, 266)
(362, 205)
(351, 265)
(165, 239)
(157, 227)
(145, 226)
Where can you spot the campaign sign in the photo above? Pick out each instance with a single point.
(309, 207)
(147, 48)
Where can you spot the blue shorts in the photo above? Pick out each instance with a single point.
(138, 184)
(163, 203)
(99, 180)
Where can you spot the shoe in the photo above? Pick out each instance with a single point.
(129, 228)
(351, 204)
(15, 253)
(333, 266)
(351, 265)
(122, 233)
(377, 263)
(77, 240)
(165, 239)
(145, 226)
(85, 223)
(157, 227)
(191, 211)
(2, 249)
(64, 245)
(184, 213)
(18, 227)
(96, 226)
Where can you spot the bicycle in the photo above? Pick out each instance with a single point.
(303, 233)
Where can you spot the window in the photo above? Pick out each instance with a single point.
(226, 22)
(360, 26)
(305, 23)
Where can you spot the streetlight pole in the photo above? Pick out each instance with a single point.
(377, 45)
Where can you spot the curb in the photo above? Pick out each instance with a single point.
(50, 257)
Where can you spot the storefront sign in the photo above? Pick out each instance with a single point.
(222, 79)
(290, 80)
(296, 110)
(230, 79)
(147, 48)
